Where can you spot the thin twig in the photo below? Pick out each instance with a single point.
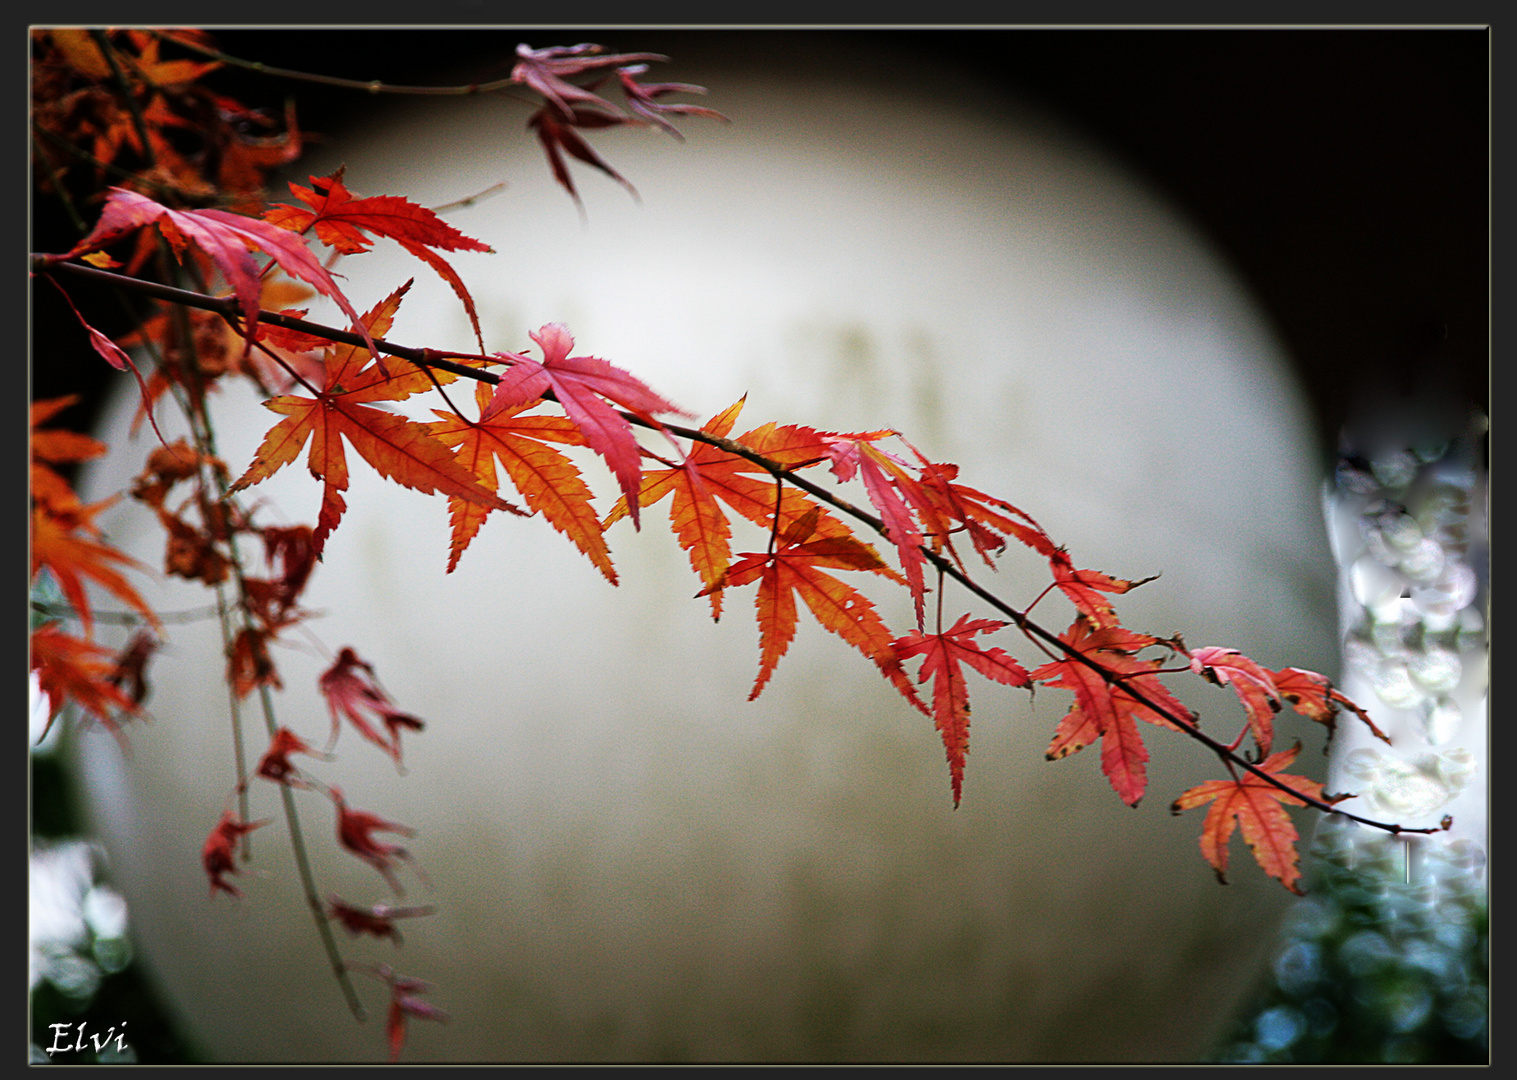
(368, 86)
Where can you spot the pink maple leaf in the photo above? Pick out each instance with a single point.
(557, 134)
(546, 71)
(377, 919)
(1254, 685)
(405, 1002)
(641, 99)
(351, 691)
(583, 385)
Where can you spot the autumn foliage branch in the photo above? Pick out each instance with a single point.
(227, 278)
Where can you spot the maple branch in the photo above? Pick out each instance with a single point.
(205, 438)
(1026, 625)
(469, 200)
(227, 308)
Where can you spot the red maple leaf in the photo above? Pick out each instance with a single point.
(547, 479)
(130, 668)
(399, 449)
(292, 549)
(350, 690)
(1103, 708)
(218, 854)
(1253, 684)
(355, 832)
(249, 665)
(795, 568)
(583, 385)
(1259, 807)
(886, 481)
(378, 919)
(405, 1002)
(342, 222)
(228, 239)
(945, 507)
(1084, 588)
(275, 764)
(942, 654)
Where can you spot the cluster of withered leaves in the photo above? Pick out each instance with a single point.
(105, 104)
(187, 206)
(68, 545)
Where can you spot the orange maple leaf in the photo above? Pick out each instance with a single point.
(69, 557)
(547, 479)
(399, 449)
(709, 474)
(73, 669)
(57, 446)
(942, 654)
(1103, 709)
(1259, 807)
(1314, 696)
(794, 567)
(700, 526)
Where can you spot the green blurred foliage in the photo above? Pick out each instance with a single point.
(1373, 968)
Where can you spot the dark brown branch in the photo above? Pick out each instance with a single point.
(227, 308)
